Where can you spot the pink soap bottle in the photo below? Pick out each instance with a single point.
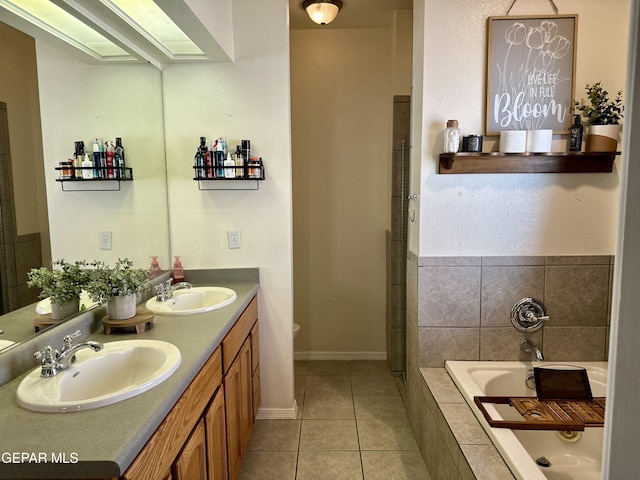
(178, 271)
(155, 270)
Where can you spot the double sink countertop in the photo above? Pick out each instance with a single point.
(103, 442)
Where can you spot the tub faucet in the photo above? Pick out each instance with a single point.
(53, 361)
(528, 347)
(164, 291)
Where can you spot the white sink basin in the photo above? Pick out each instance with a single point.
(193, 300)
(119, 371)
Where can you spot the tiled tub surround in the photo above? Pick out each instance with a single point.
(458, 308)
(464, 306)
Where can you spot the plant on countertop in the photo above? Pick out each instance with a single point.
(601, 110)
(63, 283)
(122, 279)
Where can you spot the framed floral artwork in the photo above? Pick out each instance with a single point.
(530, 73)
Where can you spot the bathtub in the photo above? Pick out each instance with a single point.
(571, 456)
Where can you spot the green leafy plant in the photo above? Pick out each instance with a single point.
(63, 283)
(122, 279)
(600, 110)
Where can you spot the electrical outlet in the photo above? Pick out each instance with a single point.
(233, 238)
(105, 240)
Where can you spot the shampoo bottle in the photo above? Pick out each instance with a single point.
(229, 172)
(118, 158)
(96, 159)
(178, 271)
(110, 163)
(87, 167)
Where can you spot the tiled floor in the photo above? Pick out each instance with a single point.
(352, 425)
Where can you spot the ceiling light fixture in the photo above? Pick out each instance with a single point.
(322, 12)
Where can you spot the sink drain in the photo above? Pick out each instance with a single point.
(543, 462)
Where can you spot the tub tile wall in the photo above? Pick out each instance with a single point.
(464, 306)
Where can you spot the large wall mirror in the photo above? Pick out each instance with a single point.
(80, 101)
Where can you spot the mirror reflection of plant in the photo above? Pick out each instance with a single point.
(601, 110)
(63, 283)
(122, 279)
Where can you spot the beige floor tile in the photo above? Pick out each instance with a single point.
(328, 435)
(300, 384)
(394, 465)
(386, 434)
(328, 385)
(373, 385)
(379, 406)
(275, 435)
(332, 407)
(300, 367)
(300, 402)
(260, 465)
(369, 367)
(329, 466)
(328, 367)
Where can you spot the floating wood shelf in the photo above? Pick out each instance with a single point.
(555, 162)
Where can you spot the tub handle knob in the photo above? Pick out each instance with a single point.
(528, 315)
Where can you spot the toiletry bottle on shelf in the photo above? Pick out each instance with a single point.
(87, 167)
(118, 158)
(155, 270)
(452, 137)
(178, 271)
(96, 159)
(103, 162)
(229, 172)
(110, 163)
(218, 159)
(240, 162)
(575, 135)
(78, 158)
(198, 160)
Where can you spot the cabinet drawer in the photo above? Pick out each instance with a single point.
(238, 334)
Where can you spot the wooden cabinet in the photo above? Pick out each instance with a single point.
(238, 361)
(216, 435)
(191, 464)
(206, 433)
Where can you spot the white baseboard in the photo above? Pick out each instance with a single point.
(340, 355)
(278, 413)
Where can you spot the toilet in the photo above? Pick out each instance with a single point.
(296, 329)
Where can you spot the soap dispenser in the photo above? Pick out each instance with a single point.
(155, 270)
(178, 271)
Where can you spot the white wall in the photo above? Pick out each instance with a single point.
(81, 102)
(533, 214)
(248, 99)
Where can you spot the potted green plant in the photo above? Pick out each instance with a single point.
(603, 117)
(118, 286)
(63, 283)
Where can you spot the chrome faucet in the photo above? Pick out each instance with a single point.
(53, 361)
(528, 347)
(164, 291)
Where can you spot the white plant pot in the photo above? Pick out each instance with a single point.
(65, 310)
(603, 138)
(121, 307)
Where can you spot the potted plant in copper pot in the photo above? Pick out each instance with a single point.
(603, 117)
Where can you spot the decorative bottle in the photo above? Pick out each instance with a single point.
(575, 135)
(452, 137)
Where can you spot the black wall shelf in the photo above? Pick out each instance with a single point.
(109, 183)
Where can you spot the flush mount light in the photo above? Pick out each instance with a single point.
(322, 12)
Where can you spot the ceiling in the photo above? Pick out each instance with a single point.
(354, 14)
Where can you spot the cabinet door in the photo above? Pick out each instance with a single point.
(238, 408)
(256, 392)
(192, 462)
(216, 433)
(247, 392)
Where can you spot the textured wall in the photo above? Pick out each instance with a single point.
(553, 214)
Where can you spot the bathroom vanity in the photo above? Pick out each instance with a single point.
(195, 424)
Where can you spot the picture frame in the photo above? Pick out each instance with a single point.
(530, 73)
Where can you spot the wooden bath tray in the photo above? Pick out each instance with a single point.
(547, 414)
